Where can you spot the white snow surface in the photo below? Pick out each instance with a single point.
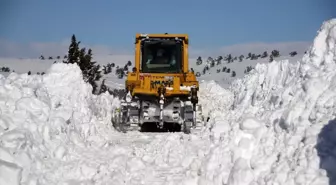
(45, 119)
(274, 126)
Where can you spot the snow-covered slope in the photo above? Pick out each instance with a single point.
(275, 130)
(224, 78)
(274, 126)
(112, 80)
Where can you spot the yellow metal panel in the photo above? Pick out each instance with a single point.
(177, 84)
(147, 83)
(185, 57)
(162, 35)
(137, 56)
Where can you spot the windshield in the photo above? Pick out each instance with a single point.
(161, 57)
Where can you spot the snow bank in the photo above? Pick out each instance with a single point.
(43, 117)
(276, 123)
(215, 102)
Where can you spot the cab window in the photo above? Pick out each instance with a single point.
(161, 57)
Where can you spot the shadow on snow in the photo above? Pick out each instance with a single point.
(326, 150)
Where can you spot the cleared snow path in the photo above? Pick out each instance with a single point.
(137, 158)
(274, 126)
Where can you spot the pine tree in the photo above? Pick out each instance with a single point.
(91, 72)
(109, 68)
(199, 61)
(264, 55)
(293, 53)
(129, 63)
(275, 53)
(241, 57)
(233, 74)
(103, 87)
(73, 53)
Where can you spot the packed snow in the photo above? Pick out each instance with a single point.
(43, 118)
(275, 125)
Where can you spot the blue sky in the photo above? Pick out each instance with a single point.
(209, 24)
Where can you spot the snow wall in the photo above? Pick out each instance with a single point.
(42, 117)
(280, 127)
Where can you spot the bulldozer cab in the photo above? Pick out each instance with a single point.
(161, 56)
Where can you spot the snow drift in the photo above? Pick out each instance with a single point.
(279, 111)
(42, 117)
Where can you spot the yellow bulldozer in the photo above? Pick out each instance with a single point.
(161, 89)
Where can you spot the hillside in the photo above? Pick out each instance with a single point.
(113, 81)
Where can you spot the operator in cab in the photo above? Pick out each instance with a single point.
(161, 57)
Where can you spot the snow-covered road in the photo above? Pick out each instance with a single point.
(274, 126)
(137, 158)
